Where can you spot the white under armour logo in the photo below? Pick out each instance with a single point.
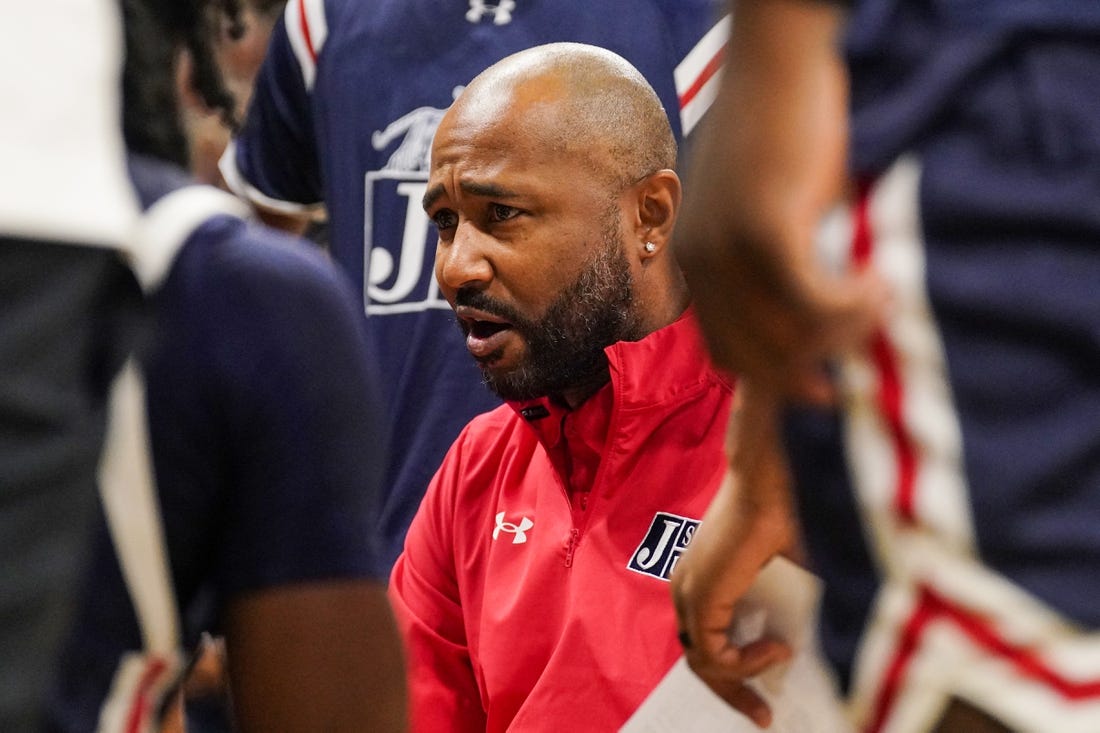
(520, 530)
(501, 10)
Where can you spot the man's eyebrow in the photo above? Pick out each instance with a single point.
(431, 195)
(489, 190)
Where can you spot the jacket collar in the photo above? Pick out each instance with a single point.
(663, 367)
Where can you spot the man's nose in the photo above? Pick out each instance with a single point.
(464, 260)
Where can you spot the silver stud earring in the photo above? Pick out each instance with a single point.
(650, 247)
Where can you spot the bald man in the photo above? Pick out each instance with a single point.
(347, 102)
(532, 591)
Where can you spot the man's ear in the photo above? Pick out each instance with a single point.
(657, 197)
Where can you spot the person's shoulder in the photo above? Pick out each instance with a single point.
(322, 19)
(499, 425)
(483, 454)
(256, 300)
(199, 243)
(252, 264)
(260, 248)
(489, 441)
(712, 9)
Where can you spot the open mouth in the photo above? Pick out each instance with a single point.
(486, 334)
(485, 329)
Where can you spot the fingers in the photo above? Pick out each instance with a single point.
(721, 659)
(727, 668)
(706, 588)
(840, 316)
(844, 312)
(745, 700)
(780, 322)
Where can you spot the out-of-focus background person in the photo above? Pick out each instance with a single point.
(66, 208)
(265, 458)
(950, 497)
(238, 58)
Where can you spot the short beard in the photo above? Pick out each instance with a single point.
(565, 348)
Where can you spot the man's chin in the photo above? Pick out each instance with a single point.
(497, 363)
(507, 382)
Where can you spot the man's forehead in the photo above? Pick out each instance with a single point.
(480, 159)
(519, 134)
(499, 93)
(501, 111)
(497, 173)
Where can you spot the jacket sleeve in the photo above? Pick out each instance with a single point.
(697, 32)
(273, 161)
(424, 589)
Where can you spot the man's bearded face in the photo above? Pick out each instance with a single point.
(565, 346)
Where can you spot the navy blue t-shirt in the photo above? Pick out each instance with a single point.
(262, 407)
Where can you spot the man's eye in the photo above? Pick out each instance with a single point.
(445, 219)
(501, 212)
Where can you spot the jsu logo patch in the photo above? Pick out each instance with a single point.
(518, 531)
(668, 536)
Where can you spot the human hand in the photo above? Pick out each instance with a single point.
(776, 320)
(748, 522)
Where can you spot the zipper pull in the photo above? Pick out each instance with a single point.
(574, 537)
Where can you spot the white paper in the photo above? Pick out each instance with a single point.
(781, 603)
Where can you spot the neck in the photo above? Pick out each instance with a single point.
(671, 299)
(576, 395)
(663, 294)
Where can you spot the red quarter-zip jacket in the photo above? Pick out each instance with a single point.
(533, 589)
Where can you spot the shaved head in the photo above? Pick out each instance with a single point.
(578, 100)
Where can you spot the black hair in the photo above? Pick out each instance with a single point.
(155, 31)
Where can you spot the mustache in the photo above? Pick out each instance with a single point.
(473, 298)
